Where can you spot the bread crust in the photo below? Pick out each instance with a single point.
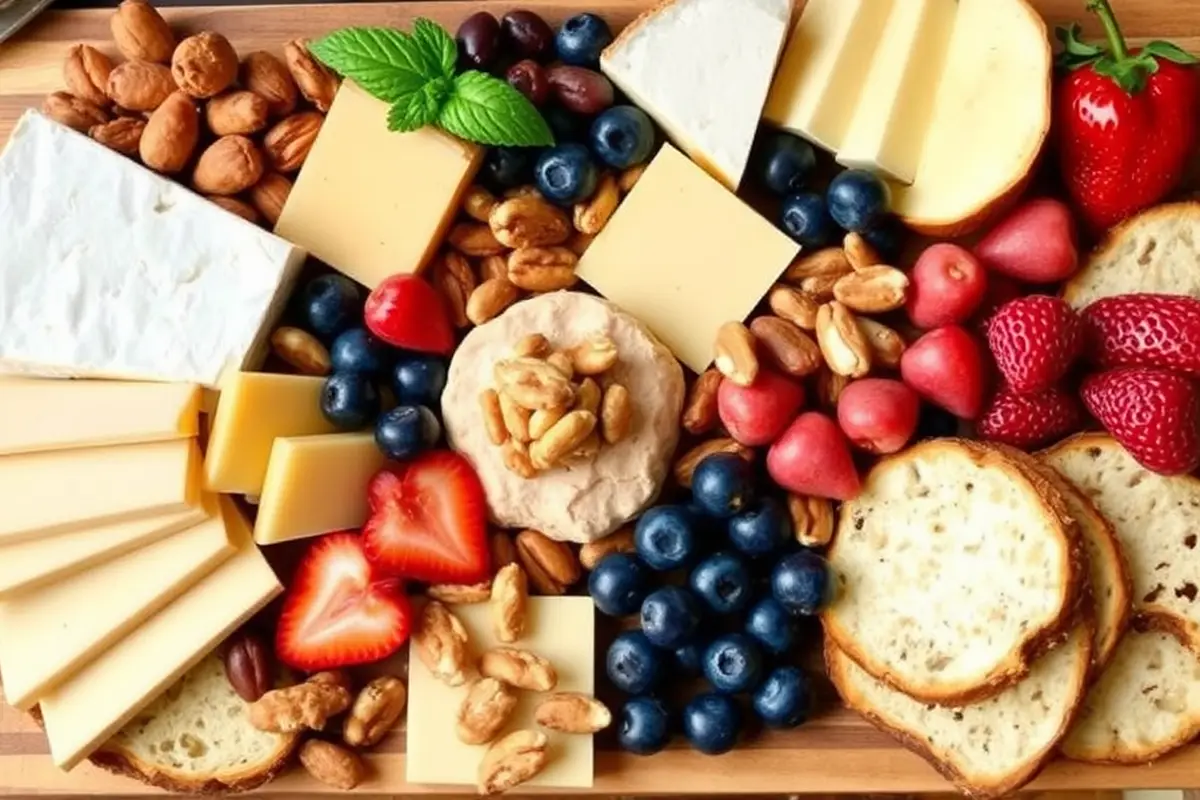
(129, 766)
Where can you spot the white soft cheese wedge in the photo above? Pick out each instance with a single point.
(109, 270)
(702, 70)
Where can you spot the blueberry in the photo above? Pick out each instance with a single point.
(567, 126)
(887, 237)
(723, 582)
(800, 582)
(771, 626)
(784, 162)
(665, 537)
(506, 167)
(733, 663)
(806, 219)
(689, 659)
(349, 400)
(670, 616)
(784, 699)
(356, 350)
(711, 723)
(405, 431)
(623, 137)
(633, 664)
(581, 39)
(419, 380)
(619, 584)
(762, 529)
(645, 726)
(331, 304)
(566, 174)
(723, 484)
(857, 199)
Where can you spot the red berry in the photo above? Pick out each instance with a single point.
(813, 458)
(406, 311)
(1148, 330)
(1035, 243)
(1027, 421)
(947, 285)
(1152, 412)
(879, 415)
(945, 366)
(1034, 340)
(756, 414)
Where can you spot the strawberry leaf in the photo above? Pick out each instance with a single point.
(1169, 52)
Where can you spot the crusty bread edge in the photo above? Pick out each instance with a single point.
(1037, 641)
(129, 766)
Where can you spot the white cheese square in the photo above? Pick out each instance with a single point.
(109, 270)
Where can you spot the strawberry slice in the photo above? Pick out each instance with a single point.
(406, 311)
(339, 611)
(428, 520)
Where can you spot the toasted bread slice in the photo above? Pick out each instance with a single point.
(956, 567)
(988, 748)
(1156, 252)
(1156, 520)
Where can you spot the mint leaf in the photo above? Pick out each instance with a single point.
(487, 110)
(437, 46)
(421, 108)
(386, 63)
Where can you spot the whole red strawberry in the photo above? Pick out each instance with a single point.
(1034, 340)
(1149, 330)
(1026, 421)
(1152, 412)
(1125, 121)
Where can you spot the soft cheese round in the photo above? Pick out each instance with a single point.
(576, 503)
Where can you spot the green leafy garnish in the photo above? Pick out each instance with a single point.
(415, 74)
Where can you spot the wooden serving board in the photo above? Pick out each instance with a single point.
(837, 752)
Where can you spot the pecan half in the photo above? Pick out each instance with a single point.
(375, 711)
(509, 603)
(442, 644)
(485, 710)
(520, 668)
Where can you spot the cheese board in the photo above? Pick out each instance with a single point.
(837, 751)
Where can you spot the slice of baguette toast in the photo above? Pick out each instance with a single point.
(1156, 252)
(955, 568)
(1156, 520)
(989, 748)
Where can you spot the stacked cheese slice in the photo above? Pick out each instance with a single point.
(117, 572)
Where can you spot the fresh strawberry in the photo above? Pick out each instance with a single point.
(406, 311)
(428, 520)
(812, 457)
(1146, 330)
(1153, 412)
(339, 611)
(945, 366)
(1027, 421)
(1034, 340)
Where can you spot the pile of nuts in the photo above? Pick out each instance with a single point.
(520, 243)
(553, 408)
(169, 97)
(492, 682)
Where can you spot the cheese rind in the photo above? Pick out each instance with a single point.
(82, 713)
(41, 415)
(316, 485)
(371, 202)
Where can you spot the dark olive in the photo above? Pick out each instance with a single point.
(579, 89)
(528, 78)
(527, 34)
(479, 40)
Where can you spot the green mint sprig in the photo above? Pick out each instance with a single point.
(415, 73)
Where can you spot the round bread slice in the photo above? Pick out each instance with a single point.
(1156, 520)
(197, 739)
(989, 748)
(955, 567)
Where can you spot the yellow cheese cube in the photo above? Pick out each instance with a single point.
(685, 255)
(315, 485)
(562, 629)
(84, 712)
(255, 409)
(370, 202)
(48, 493)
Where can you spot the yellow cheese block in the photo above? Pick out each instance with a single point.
(370, 202)
(42, 561)
(82, 713)
(48, 493)
(315, 485)
(685, 255)
(562, 630)
(255, 409)
(56, 415)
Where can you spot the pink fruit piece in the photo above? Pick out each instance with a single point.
(1152, 412)
(756, 414)
(1034, 340)
(878, 415)
(947, 284)
(945, 366)
(812, 457)
(1035, 243)
(1150, 330)
(1027, 421)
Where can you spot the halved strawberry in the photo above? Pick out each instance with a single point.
(428, 520)
(406, 311)
(339, 611)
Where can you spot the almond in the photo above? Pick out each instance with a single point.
(794, 305)
(141, 33)
(205, 64)
(887, 346)
(700, 408)
(267, 77)
(287, 144)
(478, 203)
(790, 349)
(241, 112)
(831, 261)
(593, 214)
(171, 134)
(235, 206)
(475, 239)
(74, 112)
(317, 84)
(491, 298)
(687, 463)
(842, 341)
(270, 194)
(859, 252)
(86, 71)
(139, 85)
(123, 134)
(872, 290)
(229, 165)
(734, 354)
